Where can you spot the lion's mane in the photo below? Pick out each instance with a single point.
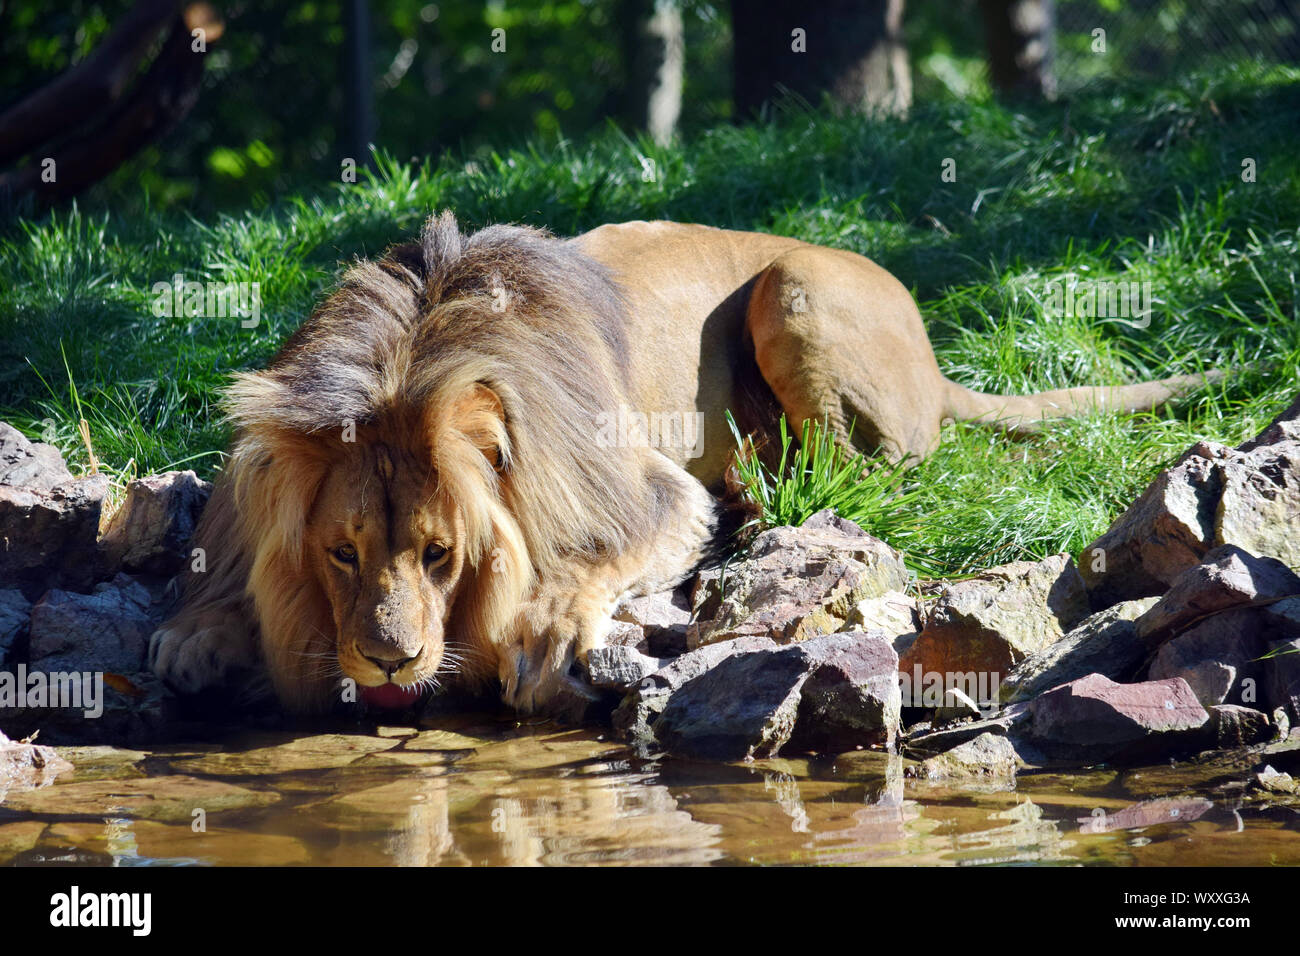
(391, 353)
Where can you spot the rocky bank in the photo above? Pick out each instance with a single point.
(1175, 633)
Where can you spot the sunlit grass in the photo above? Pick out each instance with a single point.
(1136, 184)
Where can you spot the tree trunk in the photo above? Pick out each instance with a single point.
(359, 123)
(654, 51)
(852, 49)
(1020, 35)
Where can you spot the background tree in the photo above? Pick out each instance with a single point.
(654, 51)
(851, 49)
(1020, 35)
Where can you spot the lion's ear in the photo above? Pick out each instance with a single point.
(479, 415)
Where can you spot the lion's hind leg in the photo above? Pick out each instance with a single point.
(838, 339)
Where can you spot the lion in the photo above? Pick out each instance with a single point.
(480, 444)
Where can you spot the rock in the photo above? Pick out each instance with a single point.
(171, 799)
(988, 755)
(1215, 657)
(27, 464)
(796, 583)
(15, 610)
(893, 613)
(642, 705)
(851, 696)
(316, 752)
(49, 537)
(623, 634)
(151, 531)
(1234, 726)
(27, 766)
(744, 707)
(1285, 427)
(1280, 620)
(1213, 495)
(662, 619)
(1210, 681)
(1105, 643)
(1270, 780)
(1226, 578)
(1094, 719)
(106, 630)
(1281, 668)
(750, 698)
(577, 703)
(928, 743)
(706, 593)
(618, 667)
(991, 622)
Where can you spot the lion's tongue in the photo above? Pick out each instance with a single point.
(389, 696)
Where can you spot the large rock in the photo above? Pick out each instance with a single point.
(1218, 657)
(1094, 718)
(797, 583)
(1227, 577)
(744, 707)
(750, 698)
(1212, 496)
(15, 610)
(635, 716)
(106, 630)
(151, 531)
(993, 621)
(1234, 726)
(851, 696)
(49, 521)
(1105, 643)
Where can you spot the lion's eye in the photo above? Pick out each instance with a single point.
(434, 555)
(344, 554)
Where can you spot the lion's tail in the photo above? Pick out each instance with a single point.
(1022, 414)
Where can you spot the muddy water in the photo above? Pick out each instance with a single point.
(477, 791)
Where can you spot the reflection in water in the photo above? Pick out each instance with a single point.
(490, 794)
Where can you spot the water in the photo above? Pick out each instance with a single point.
(479, 791)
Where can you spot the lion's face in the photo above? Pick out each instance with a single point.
(388, 550)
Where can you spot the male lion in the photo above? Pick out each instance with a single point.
(447, 467)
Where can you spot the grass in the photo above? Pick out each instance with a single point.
(1125, 183)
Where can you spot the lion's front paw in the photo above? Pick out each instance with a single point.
(197, 652)
(534, 673)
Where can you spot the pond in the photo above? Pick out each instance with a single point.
(479, 790)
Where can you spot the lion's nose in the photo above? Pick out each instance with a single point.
(390, 665)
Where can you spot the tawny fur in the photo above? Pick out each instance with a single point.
(463, 387)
